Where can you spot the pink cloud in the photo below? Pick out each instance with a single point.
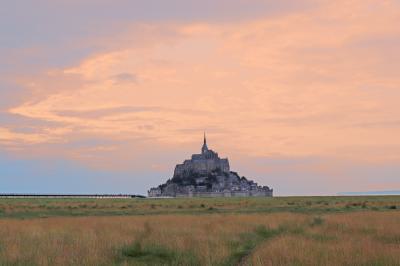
(297, 84)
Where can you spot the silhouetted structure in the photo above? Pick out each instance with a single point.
(207, 175)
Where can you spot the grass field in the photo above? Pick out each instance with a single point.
(235, 231)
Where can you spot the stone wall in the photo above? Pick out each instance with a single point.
(202, 166)
(226, 194)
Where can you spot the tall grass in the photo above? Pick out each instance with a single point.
(235, 231)
(207, 239)
(342, 239)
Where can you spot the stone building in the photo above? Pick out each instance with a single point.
(203, 163)
(207, 175)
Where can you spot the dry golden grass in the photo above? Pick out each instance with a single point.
(368, 238)
(98, 240)
(297, 231)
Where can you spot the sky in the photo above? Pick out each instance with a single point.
(107, 96)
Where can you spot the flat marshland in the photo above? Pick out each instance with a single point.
(201, 231)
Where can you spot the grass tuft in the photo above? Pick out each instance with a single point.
(317, 221)
(249, 241)
(153, 254)
(265, 232)
(136, 250)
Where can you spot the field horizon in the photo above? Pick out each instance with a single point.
(349, 230)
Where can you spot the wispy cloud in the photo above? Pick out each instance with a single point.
(311, 78)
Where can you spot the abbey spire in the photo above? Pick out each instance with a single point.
(204, 149)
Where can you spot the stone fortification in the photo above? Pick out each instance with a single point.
(207, 175)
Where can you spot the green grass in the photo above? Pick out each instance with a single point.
(317, 221)
(139, 254)
(30, 208)
(249, 241)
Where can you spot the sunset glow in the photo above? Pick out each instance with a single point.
(301, 95)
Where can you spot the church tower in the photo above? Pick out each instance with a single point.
(204, 149)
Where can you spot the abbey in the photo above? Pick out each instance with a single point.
(207, 175)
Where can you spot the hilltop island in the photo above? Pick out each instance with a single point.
(207, 175)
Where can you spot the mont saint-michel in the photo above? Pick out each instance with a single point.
(208, 175)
